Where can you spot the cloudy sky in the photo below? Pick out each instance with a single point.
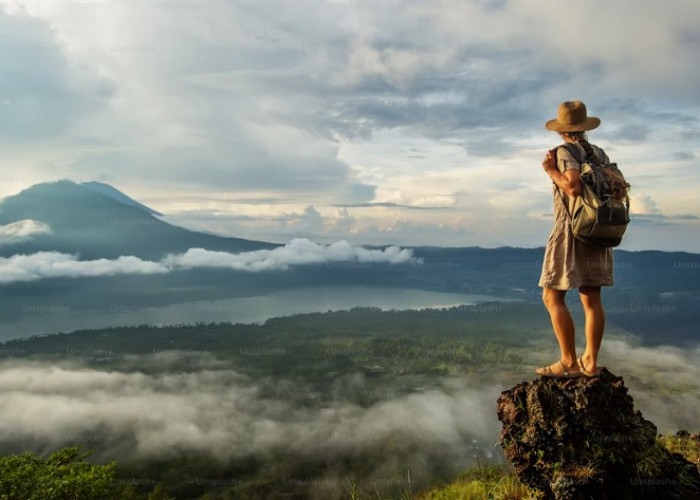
(378, 122)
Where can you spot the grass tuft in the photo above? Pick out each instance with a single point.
(495, 482)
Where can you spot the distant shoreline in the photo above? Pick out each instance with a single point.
(242, 310)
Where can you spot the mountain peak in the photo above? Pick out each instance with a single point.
(66, 188)
(95, 220)
(59, 202)
(114, 193)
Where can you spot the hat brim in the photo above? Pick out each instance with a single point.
(590, 123)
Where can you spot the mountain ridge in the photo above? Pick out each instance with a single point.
(26, 205)
(653, 288)
(99, 223)
(118, 195)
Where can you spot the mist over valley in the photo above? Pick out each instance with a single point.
(215, 364)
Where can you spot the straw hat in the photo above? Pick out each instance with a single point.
(572, 117)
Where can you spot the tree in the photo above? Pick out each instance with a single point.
(159, 493)
(65, 475)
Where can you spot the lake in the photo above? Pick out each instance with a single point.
(239, 310)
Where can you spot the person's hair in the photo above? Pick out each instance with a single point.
(575, 136)
(618, 185)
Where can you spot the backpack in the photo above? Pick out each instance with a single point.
(598, 217)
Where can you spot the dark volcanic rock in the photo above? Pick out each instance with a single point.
(582, 438)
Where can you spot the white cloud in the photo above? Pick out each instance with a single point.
(643, 204)
(246, 98)
(23, 230)
(395, 65)
(224, 414)
(42, 265)
(298, 252)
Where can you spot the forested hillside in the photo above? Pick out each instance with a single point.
(316, 405)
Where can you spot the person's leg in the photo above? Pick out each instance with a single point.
(595, 324)
(563, 326)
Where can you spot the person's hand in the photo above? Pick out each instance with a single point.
(549, 163)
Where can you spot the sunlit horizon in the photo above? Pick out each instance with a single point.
(405, 123)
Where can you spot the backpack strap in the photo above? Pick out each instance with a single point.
(576, 153)
(601, 184)
(573, 149)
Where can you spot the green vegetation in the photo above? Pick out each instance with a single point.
(427, 341)
(492, 482)
(65, 475)
(685, 444)
(395, 353)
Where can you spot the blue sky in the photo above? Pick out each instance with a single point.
(377, 122)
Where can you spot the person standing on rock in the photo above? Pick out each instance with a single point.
(570, 263)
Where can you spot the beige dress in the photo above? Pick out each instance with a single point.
(568, 262)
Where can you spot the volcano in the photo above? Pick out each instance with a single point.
(95, 220)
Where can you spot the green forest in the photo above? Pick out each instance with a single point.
(303, 375)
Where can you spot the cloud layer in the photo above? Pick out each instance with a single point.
(223, 414)
(214, 409)
(238, 116)
(220, 412)
(298, 252)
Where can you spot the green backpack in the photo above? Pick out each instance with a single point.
(598, 218)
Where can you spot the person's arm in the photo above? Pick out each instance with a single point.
(569, 181)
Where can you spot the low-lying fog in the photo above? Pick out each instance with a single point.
(222, 412)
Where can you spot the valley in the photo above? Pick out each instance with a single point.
(308, 404)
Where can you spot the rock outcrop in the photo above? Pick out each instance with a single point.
(582, 439)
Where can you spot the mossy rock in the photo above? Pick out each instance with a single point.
(582, 438)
